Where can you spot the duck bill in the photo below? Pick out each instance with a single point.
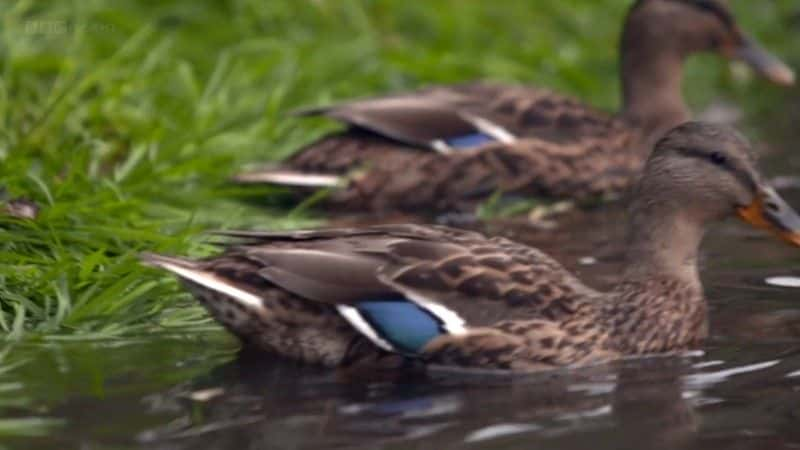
(764, 63)
(770, 212)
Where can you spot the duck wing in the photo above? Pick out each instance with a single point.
(447, 118)
(483, 137)
(533, 112)
(432, 119)
(399, 286)
(453, 272)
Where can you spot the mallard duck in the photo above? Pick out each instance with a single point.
(457, 298)
(447, 147)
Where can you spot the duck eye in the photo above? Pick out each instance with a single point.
(772, 206)
(718, 158)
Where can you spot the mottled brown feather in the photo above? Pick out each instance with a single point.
(556, 319)
(564, 149)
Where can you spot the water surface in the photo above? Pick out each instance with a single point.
(196, 391)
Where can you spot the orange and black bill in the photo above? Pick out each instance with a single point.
(764, 63)
(770, 212)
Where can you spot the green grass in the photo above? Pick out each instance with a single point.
(124, 122)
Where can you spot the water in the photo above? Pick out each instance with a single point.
(195, 391)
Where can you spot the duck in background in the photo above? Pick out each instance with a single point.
(345, 297)
(448, 147)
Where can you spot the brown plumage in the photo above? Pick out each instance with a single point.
(447, 147)
(452, 297)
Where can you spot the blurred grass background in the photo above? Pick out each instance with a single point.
(124, 119)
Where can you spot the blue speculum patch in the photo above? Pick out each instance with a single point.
(469, 140)
(404, 324)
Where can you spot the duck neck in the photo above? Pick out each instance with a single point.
(663, 242)
(652, 88)
(659, 304)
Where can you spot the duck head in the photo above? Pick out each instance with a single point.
(697, 174)
(683, 27)
(702, 173)
(660, 34)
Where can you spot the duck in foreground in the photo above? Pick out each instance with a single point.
(448, 147)
(456, 298)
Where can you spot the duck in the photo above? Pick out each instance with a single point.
(448, 148)
(447, 297)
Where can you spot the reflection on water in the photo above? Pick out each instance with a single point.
(743, 394)
(189, 392)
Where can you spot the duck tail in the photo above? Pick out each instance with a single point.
(287, 177)
(164, 262)
(268, 318)
(204, 282)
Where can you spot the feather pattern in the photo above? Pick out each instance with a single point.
(405, 325)
(518, 139)
(440, 294)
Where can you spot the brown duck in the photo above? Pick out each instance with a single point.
(447, 147)
(451, 297)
